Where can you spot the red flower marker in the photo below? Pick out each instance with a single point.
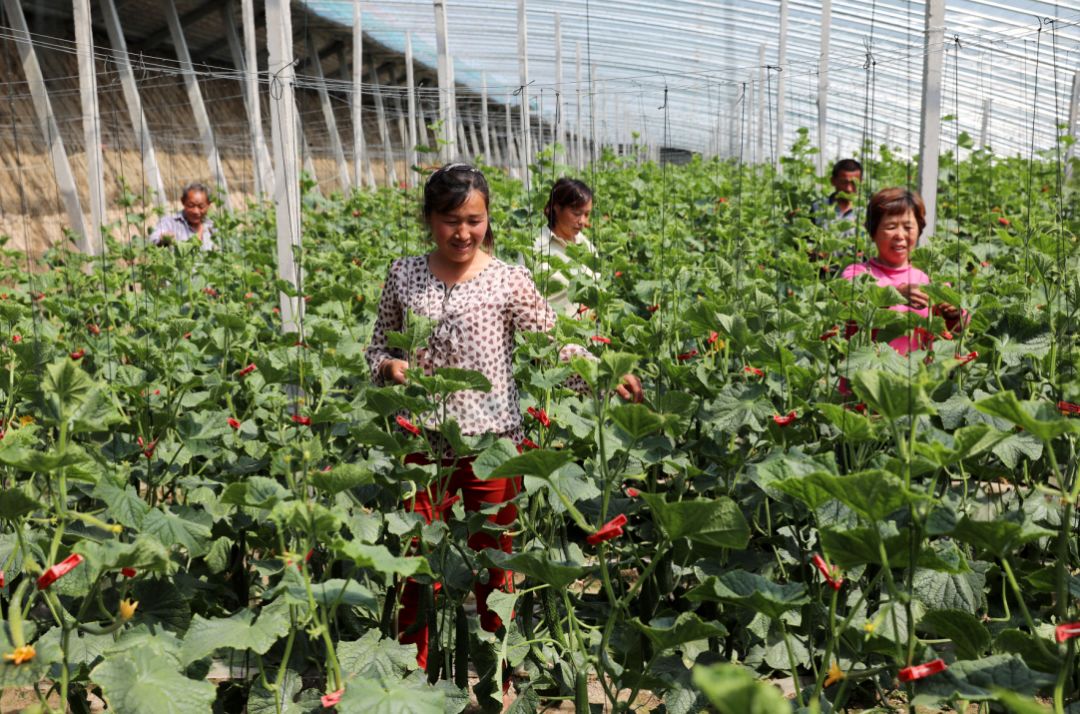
(408, 426)
(16, 339)
(540, 415)
(828, 335)
(754, 371)
(187, 335)
(1064, 631)
(1, 578)
(582, 309)
(301, 420)
(233, 422)
(58, 571)
(1003, 221)
(1068, 408)
(331, 699)
(77, 355)
(601, 339)
(148, 449)
(685, 356)
(528, 443)
(785, 419)
(128, 572)
(611, 529)
(249, 296)
(211, 292)
(632, 492)
(946, 335)
(713, 337)
(721, 200)
(831, 573)
(653, 308)
(246, 370)
(93, 329)
(618, 273)
(969, 357)
(920, 671)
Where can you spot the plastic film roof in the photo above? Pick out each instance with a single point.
(1016, 58)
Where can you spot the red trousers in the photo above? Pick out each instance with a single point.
(477, 494)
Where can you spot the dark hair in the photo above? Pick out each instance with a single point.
(566, 193)
(195, 187)
(893, 202)
(449, 186)
(844, 165)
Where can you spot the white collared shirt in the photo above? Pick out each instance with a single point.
(552, 277)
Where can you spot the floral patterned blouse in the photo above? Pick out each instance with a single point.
(477, 320)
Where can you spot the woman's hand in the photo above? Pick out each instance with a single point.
(393, 370)
(916, 298)
(951, 313)
(630, 389)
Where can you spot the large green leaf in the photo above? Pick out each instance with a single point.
(976, 680)
(891, 395)
(376, 657)
(1040, 419)
(342, 477)
(854, 426)
(14, 503)
(734, 690)
(140, 682)
(378, 558)
(718, 522)
(541, 463)
(636, 420)
(668, 632)
(240, 631)
(390, 696)
(538, 565)
(999, 536)
(872, 494)
(751, 590)
(967, 632)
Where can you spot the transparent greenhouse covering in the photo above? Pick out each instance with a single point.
(1008, 68)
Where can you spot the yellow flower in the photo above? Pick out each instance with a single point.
(26, 420)
(870, 627)
(127, 609)
(20, 655)
(835, 674)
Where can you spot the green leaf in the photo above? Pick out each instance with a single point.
(734, 690)
(976, 680)
(891, 395)
(872, 494)
(541, 463)
(15, 503)
(375, 657)
(854, 426)
(343, 477)
(378, 558)
(636, 420)
(1040, 419)
(744, 589)
(1017, 703)
(140, 682)
(966, 631)
(717, 522)
(493, 457)
(1027, 645)
(241, 631)
(64, 389)
(1000, 536)
(537, 565)
(373, 696)
(668, 632)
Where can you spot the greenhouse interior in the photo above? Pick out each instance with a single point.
(422, 356)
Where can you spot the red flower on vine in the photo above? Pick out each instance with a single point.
(541, 416)
(211, 292)
(148, 449)
(128, 572)
(408, 425)
(829, 334)
(1003, 221)
(632, 492)
(301, 420)
(685, 356)
(785, 419)
(713, 337)
(93, 329)
(754, 371)
(830, 572)
(601, 339)
(969, 357)
(16, 339)
(1067, 631)
(58, 571)
(246, 370)
(652, 308)
(77, 354)
(527, 443)
(233, 422)
(1068, 408)
(920, 671)
(611, 529)
(331, 699)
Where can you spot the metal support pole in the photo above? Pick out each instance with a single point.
(91, 121)
(389, 171)
(357, 101)
(930, 130)
(1074, 124)
(984, 129)
(823, 85)
(195, 97)
(560, 117)
(523, 81)
(485, 129)
(283, 124)
(447, 110)
(328, 114)
(410, 81)
(511, 152)
(580, 158)
(781, 61)
(65, 181)
(594, 150)
(244, 58)
(760, 91)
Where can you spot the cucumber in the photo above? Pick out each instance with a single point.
(551, 616)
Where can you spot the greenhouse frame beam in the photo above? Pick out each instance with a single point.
(362, 172)
(91, 121)
(523, 89)
(930, 130)
(410, 98)
(328, 116)
(1073, 128)
(389, 171)
(50, 131)
(133, 100)
(284, 123)
(781, 61)
(158, 36)
(195, 97)
(447, 100)
(823, 86)
(244, 59)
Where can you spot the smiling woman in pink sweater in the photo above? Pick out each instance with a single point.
(895, 219)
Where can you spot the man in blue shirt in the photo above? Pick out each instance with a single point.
(190, 222)
(846, 177)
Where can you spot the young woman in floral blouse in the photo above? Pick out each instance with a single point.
(479, 302)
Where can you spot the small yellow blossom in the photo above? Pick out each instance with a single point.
(835, 674)
(116, 528)
(870, 627)
(127, 609)
(20, 655)
(26, 420)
